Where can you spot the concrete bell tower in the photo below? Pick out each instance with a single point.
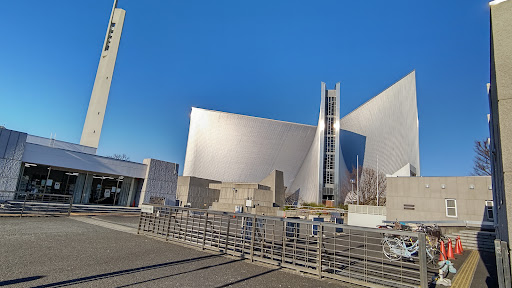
(99, 96)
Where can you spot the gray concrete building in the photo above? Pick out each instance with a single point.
(448, 201)
(265, 197)
(315, 160)
(196, 192)
(500, 99)
(40, 165)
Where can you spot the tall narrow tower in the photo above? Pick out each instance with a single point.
(99, 96)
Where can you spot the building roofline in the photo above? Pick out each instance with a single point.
(367, 101)
(496, 2)
(287, 122)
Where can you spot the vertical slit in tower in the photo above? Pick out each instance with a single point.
(330, 146)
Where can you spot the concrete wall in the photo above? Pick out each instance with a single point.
(196, 191)
(235, 194)
(161, 180)
(428, 198)
(276, 183)
(365, 220)
(12, 146)
(500, 98)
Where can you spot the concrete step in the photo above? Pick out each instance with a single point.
(479, 233)
(462, 237)
(475, 240)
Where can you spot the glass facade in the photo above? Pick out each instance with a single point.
(86, 187)
(46, 179)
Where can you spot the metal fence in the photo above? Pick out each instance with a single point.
(347, 253)
(35, 204)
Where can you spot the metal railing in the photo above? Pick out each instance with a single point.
(367, 209)
(347, 253)
(35, 204)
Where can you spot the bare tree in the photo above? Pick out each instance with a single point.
(122, 157)
(367, 187)
(482, 160)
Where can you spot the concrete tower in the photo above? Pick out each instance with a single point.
(99, 96)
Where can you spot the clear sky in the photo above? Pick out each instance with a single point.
(259, 58)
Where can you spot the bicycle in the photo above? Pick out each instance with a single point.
(397, 247)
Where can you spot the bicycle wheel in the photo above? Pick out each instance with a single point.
(389, 246)
(433, 255)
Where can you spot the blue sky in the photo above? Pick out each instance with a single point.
(259, 58)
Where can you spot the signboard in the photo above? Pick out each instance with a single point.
(56, 185)
(146, 209)
(107, 193)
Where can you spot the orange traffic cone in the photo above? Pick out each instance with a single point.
(449, 254)
(459, 244)
(443, 251)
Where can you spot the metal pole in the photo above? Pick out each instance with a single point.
(320, 232)
(283, 252)
(252, 237)
(23, 207)
(186, 224)
(227, 236)
(70, 205)
(168, 225)
(422, 253)
(204, 229)
(357, 177)
(46, 183)
(140, 222)
(377, 180)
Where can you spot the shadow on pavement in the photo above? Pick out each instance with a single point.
(247, 278)
(125, 272)
(20, 280)
(181, 273)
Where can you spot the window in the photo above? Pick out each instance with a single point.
(451, 207)
(488, 209)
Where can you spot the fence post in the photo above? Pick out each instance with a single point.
(227, 236)
(204, 228)
(168, 225)
(422, 253)
(320, 233)
(186, 224)
(283, 250)
(253, 229)
(140, 222)
(506, 263)
(70, 205)
(23, 207)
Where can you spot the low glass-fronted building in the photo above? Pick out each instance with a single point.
(40, 165)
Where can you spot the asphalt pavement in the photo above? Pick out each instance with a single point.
(62, 252)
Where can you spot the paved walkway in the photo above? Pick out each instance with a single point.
(474, 270)
(103, 252)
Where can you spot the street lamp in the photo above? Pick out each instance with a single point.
(352, 181)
